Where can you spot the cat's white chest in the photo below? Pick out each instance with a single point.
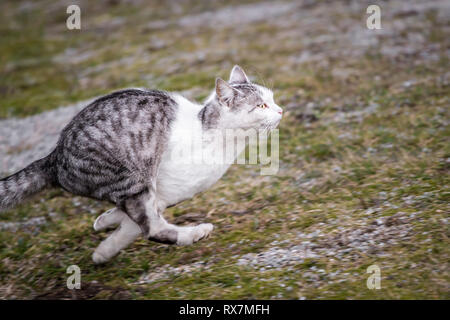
(183, 173)
(180, 182)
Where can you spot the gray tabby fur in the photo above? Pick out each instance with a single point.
(113, 148)
(100, 153)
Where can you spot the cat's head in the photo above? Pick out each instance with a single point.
(244, 104)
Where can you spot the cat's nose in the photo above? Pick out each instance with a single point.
(278, 109)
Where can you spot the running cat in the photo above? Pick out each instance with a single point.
(119, 149)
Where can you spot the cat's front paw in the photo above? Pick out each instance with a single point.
(194, 234)
(203, 231)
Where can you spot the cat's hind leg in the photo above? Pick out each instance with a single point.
(142, 217)
(165, 232)
(133, 222)
(127, 232)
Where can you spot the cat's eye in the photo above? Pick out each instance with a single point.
(262, 105)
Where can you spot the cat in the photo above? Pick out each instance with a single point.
(118, 149)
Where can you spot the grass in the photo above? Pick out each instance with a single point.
(343, 164)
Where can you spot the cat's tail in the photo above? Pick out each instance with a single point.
(28, 181)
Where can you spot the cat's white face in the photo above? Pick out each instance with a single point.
(267, 113)
(247, 105)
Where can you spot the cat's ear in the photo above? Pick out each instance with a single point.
(238, 75)
(224, 91)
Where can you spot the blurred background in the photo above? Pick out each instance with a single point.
(364, 147)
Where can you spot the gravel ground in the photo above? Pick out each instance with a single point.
(371, 238)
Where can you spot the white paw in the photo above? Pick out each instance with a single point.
(190, 235)
(98, 223)
(202, 231)
(98, 258)
(107, 219)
